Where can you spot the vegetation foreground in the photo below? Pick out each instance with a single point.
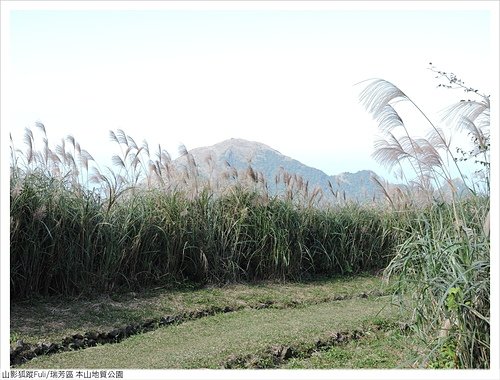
(272, 325)
(78, 230)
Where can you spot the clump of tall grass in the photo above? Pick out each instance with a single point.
(443, 262)
(154, 222)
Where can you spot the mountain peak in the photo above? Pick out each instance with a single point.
(238, 143)
(233, 148)
(238, 155)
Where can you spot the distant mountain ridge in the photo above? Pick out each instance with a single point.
(240, 158)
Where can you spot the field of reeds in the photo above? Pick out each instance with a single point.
(78, 229)
(68, 239)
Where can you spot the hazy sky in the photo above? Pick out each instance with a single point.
(282, 74)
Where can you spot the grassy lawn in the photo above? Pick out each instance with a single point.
(300, 315)
(377, 350)
(209, 342)
(51, 319)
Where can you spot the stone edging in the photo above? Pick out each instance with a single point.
(276, 355)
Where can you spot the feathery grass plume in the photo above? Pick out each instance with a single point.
(442, 263)
(389, 151)
(160, 166)
(330, 187)
(251, 174)
(121, 137)
(113, 137)
(85, 158)
(378, 97)
(132, 143)
(41, 126)
(145, 146)
(28, 140)
(72, 141)
(473, 117)
(46, 153)
(383, 186)
(190, 170)
(132, 164)
(117, 161)
(315, 198)
(13, 153)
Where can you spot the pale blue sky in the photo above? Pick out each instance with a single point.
(282, 77)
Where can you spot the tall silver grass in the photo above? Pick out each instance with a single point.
(76, 227)
(443, 263)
